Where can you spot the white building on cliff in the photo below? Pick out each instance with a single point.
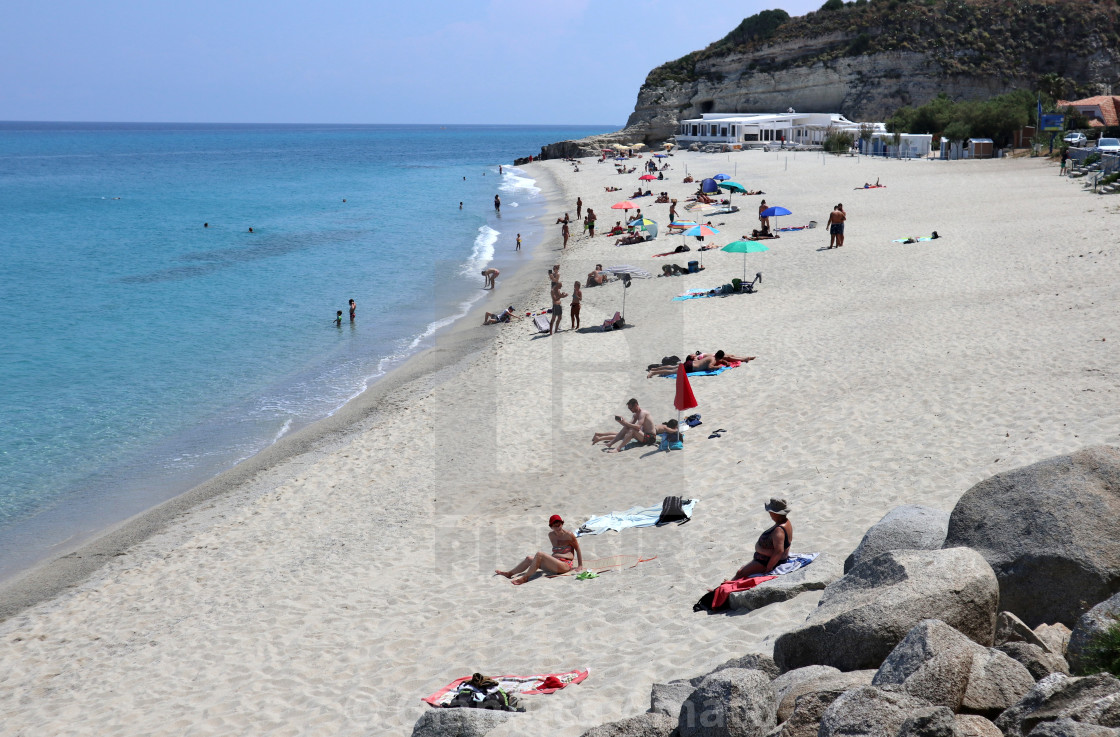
(740, 130)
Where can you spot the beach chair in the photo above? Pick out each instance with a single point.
(743, 287)
(613, 323)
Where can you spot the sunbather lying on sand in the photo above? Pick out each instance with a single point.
(613, 189)
(566, 555)
(629, 240)
(640, 428)
(772, 547)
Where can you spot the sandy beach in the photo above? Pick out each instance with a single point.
(327, 585)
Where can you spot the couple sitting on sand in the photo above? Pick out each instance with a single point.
(641, 428)
(699, 362)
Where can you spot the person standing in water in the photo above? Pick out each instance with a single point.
(518, 242)
(353, 310)
(500, 169)
(497, 204)
(338, 319)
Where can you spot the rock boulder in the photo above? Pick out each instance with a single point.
(729, 703)
(910, 527)
(666, 698)
(1049, 532)
(642, 725)
(1091, 625)
(459, 722)
(1035, 659)
(868, 712)
(866, 613)
(1091, 699)
(836, 681)
(932, 721)
(974, 725)
(1070, 728)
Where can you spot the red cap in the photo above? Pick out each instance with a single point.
(554, 519)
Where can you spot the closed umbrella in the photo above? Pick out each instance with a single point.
(684, 398)
(744, 247)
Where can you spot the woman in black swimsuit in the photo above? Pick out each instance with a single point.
(566, 555)
(772, 547)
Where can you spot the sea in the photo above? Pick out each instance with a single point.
(149, 341)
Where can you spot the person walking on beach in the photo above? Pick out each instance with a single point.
(579, 208)
(497, 204)
(836, 226)
(577, 298)
(353, 310)
(1064, 158)
(590, 222)
(557, 308)
(518, 242)
(565, 232)
(673, 211)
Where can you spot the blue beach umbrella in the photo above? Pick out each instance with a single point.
(660, 156)
(720, 177)
(773, 212)
(709, 186)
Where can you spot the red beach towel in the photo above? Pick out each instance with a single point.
(520, 685)
(727, 588)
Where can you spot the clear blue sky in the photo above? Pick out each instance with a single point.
(346, 61)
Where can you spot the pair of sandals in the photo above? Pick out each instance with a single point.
(717, 433)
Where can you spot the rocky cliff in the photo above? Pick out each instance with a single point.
(867, 59)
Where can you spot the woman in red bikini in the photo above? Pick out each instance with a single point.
(566, 555)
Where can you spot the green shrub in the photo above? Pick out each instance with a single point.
(1103, 653)
(833, 5)
(839, 141)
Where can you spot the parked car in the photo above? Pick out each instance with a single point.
(1109, 146)
(1076, 138)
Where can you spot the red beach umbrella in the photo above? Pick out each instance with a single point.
(685, 399)
(624, 205)
(647, 177)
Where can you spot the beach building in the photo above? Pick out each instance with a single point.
(909, 145)
(1101, 110)
(740, 130)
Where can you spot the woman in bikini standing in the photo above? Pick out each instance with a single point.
(577, 298)
(772, 547)
(566, 555)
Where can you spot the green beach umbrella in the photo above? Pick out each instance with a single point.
(744, 247)
(732, 186)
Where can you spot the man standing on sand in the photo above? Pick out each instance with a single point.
(639, 428)
(590, 222)
(557, 308)
(579, 208)
(836, 226)
(764, 223)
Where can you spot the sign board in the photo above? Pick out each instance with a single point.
(1053, 122)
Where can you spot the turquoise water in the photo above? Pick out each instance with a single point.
(144, 353)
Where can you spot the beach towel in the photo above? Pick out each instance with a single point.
(716, 599)
(633, 271)
(873, 186)
(913, 240)
(520, 685)
(716, 372)
(633, 517)
(700, 294)
(602, 565)
(792, 227)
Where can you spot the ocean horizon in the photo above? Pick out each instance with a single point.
(154, 342)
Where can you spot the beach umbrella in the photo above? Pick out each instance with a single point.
(773, 212)
(720, 177)
(744, 247)
(620, 158)
(683, 223)
(733, 186)
(647, 177)
(660, 156)
(645, 224)
(709, 186)
(701, 230)
(624, 205)
(684, 398)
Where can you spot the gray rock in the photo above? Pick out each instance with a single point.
(729, 703)
(932, 721)
(909, 527)
(1070, 728)
(868, 712)
(1035, 659)
(974, 725)
(1093, 699)
(995, 682)
(813, 577)
(1055, 637)
(838, 681)
(933, 662)
(642, 725)
(752, 661)
(459, 722)
(1049, 532)
(666, 698)
(866, 613)
(1091, 625)
(1010, 628)
(808, 709)
(783, 684)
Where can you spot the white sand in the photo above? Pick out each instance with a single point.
(339, 587)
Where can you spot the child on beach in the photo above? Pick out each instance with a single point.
(338, 319)
(565, 557)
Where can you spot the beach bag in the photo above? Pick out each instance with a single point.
(671, 509)
(693, 267)
(727, 289)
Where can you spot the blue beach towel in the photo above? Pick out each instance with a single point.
(699, 294)
(903, 240)
(720, 370)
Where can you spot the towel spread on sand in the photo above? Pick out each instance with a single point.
(633, 517)
(788, 228)
(716, 372)
(520, 685)
(633, 271)
(699, 294)
(720, 594)
(602, 565)
(912, 240)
